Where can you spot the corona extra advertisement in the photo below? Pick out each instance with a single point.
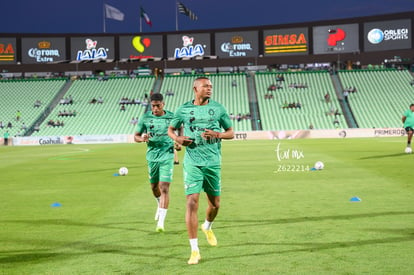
(43, 50)
(237, 44)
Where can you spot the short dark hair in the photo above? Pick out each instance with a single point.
(411, 105)
(200, 78)
(157, 97)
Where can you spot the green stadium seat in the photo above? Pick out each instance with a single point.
(381, 97)
(313, 110)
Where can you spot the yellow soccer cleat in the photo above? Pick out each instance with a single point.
(195, 257)
(211, 238)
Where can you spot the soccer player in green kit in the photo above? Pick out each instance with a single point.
(203, 120)
(153, 129)
(408, 120)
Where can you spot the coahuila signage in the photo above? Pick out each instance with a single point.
(188, 49)
(50, 141)
(91, 52)
(237, 47)
(43, 53)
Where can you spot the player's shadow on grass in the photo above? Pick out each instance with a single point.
(127, 226)
(110, 170)
(259, 222)
(134, 226)
(62, 251)
(384, 156)
(312, 246)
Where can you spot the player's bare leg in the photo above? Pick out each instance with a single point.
(211, 213)
(191, 220)
(164, 188)
(157, 194)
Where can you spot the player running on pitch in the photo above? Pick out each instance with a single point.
(203, 120)
(153, 129)
(408, 120)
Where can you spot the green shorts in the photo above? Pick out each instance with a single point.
(198, 178)
(160, 171)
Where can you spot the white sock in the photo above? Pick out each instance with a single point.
(194, 244)
(158, 208)
(162, 213)
(207, 225)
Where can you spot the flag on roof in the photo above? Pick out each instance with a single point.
(146, 17)
(186, 11)
(113, 13)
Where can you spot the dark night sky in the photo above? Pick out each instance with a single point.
(86, 16)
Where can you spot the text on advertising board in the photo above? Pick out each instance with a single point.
(91, 53)
(236, 47)
(43, 52)
(6, 52)
(285, 43)
(376, 36)
(188, 49)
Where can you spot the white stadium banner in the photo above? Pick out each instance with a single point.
(248, 135)
(92, 139)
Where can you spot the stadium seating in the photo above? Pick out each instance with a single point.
(382, 96)
(314, 107)
(100, 119)
(235, 99)
(20, 95)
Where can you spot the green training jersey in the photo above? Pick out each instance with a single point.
(195, 119)
(409, 121)
(160, 146)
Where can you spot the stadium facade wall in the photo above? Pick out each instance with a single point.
(248, 135)
(364, 57)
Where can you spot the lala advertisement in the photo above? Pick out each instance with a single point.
(91, 48)
(188, 45)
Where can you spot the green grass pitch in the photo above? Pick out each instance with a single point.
(276, 217)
